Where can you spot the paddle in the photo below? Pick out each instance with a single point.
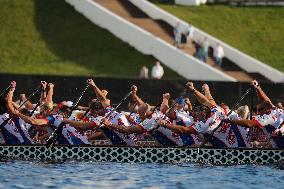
(84, 115)
(54, 136)
(251, 112)
(21, 105)
(39, 101)
(117, 106)
(6, 90)
(208, 136)
(252, 103)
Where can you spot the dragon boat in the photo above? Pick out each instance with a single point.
(107, 153)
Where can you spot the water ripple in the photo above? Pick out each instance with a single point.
(74, 174)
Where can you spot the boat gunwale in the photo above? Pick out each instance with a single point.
(141, 147)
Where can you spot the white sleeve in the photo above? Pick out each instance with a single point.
(264, 120)
(200, 127)
(148, 124)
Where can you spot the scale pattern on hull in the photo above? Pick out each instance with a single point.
(143, 155)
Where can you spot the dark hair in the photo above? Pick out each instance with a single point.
(207, 109)
(97, 105)
(3, 105)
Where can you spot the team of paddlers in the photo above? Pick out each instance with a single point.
(171, 123)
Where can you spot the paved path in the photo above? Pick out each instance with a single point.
(161, 29)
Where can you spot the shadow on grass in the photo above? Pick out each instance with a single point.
(73, 38)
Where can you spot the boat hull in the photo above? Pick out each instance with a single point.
(226, 156)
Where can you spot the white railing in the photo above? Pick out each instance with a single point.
(244, 61)
(145, 42)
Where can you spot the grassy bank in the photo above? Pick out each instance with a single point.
(257, 31)
(50, 37)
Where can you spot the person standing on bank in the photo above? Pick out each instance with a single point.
(189, 34)
(177, 35)
(219, 54)
(144, 73)
(157, 71)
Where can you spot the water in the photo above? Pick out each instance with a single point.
(24, 174)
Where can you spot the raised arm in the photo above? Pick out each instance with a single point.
(261, 94)
(199, 96)
(10, 94)
(28, 104)
(207, 93)
(43, 94)
(188, 103)
(101, 96)
(135, 97)
(165, 104)
(50, 93)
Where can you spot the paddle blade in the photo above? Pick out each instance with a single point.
(53, 138)
(50, 141)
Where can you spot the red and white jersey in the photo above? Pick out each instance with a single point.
(77, 116)
(10, 133)
(95, 119)
(134, 119)
(271, 120)
(241, 133)
(182, 118)
(70, 135)
(163, 135)
(223, 136)
(117, 138)
(23, 127)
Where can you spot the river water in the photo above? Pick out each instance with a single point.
(74, 174)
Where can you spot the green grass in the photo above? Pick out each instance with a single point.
(257, 31)
(50, 37)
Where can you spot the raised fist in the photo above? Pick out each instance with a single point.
(50, 85)
(255, 84)
(187, 101)
(90, 82)
(134, 88)
(205, 87)
(43, 84)
(13, 85)
(166, 96)
(190, 86)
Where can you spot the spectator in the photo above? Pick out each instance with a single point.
(189, 34)
(219, 54)
(157, 71)
(205, 48)
(177, 35)
(202, 50)
(144, 73)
